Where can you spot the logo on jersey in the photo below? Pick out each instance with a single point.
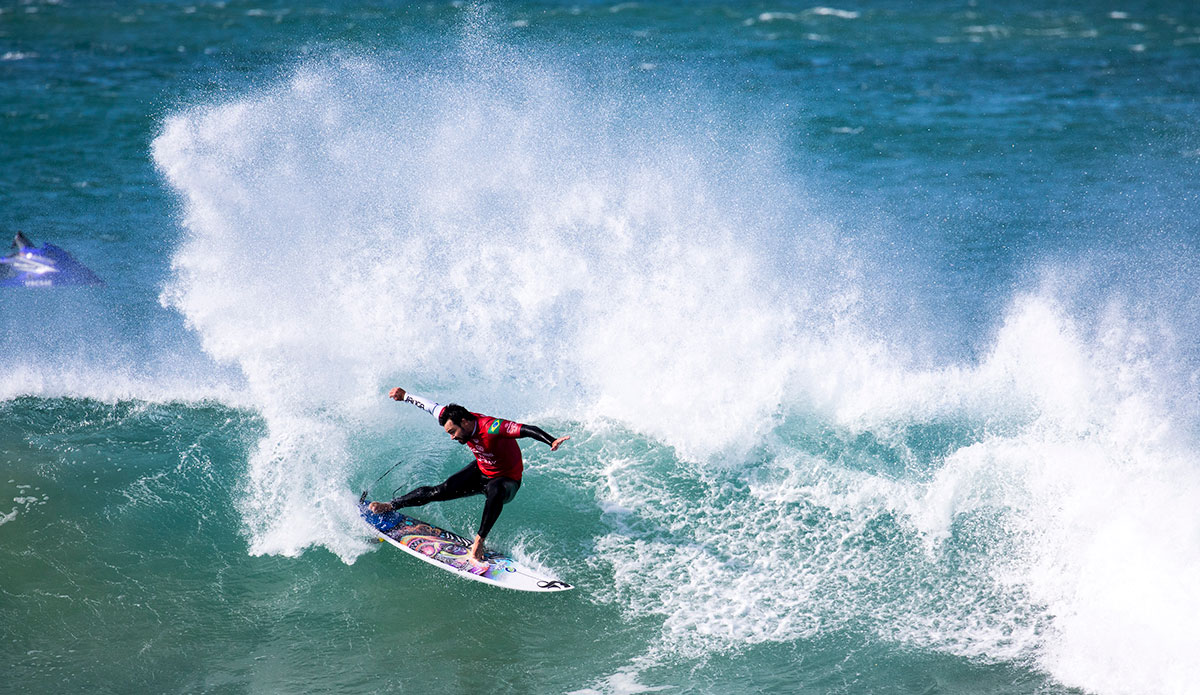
(495, 426)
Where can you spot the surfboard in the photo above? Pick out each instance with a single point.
(451, 552)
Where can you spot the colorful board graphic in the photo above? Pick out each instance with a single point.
(451, 552)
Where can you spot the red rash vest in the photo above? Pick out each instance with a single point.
(496, 452)
(494, 445)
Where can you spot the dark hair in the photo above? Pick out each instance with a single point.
(455, 413)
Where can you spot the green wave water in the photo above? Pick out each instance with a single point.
(127, 570)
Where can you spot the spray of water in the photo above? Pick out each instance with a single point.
(482, 223)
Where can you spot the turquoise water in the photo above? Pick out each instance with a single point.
(873, 327)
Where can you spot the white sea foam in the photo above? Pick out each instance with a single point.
(495, 227)
(834, 12)
(106, 384)
(1073, 508)
(778, 16)
(623, 682)
(349, 226)
(766, 17)
(27, 496)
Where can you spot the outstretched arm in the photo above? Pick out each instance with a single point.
(535, 432)
(425, 404)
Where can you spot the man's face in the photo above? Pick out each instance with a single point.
(461, 433)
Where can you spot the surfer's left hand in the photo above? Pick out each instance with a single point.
(379, 507)
(558, 442)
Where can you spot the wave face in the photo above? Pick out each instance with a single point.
(797, 435)
(482, 226)
(770, 464)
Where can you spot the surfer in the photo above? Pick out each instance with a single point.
(495, 472)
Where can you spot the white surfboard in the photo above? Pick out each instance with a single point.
(451, 552)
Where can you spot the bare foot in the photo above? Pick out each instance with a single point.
(477, 549)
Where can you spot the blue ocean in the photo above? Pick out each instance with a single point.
(873, 325)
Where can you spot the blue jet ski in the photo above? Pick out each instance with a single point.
(43, 266)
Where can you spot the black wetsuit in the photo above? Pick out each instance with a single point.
(469, 481)
(496, 471)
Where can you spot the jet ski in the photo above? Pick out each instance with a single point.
(42, 266)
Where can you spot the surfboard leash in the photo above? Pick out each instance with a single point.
(385, 474)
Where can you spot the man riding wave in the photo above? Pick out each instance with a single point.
(495, 472)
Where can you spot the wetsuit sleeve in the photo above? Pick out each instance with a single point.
(535, 432)
(425, 404)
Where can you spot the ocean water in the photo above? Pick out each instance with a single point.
(873, 325)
